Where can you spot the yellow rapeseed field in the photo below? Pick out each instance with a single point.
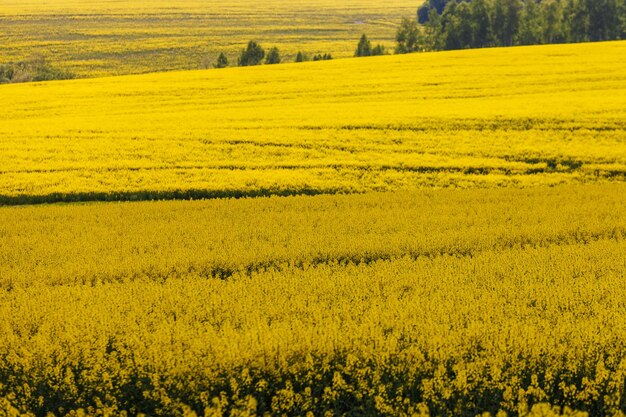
(435, 234)
(492, 117)
(442, 303)
(108, 37)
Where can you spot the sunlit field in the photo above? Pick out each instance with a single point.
(95, 38)
(432, 234)
(496, 117)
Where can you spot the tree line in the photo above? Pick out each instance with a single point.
(255, 54)
(439, 25)
(459, 24)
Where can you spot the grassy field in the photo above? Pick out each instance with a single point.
(493, 117)
(94, 38)
(452, 302)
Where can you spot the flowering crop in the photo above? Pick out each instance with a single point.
(493, 117)
(113, 37)
(454, 302)
(501, 295)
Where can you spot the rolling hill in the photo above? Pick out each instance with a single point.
(518, 116)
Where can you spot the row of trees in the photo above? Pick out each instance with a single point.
(458, 24)
(255, 54)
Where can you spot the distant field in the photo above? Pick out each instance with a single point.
(92, 38)
(494, 117)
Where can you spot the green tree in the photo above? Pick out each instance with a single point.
(451, 24)
(273, 56)
(603, 19)
(364, 47)
(407, 37)
(434, 32)
(222, 61)
(506, 19)
(252, 55)
(439, 5)
(481, 23)
(423, 13)
(465, 26)
(575, 21)
(530, 28)
(614, 23)
(622, 18)
(552, 21)
(300, 57)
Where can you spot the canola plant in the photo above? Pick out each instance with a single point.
(454, 302)
(496, 117)
(376, 292)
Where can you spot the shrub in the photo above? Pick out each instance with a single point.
(320, 57)
(36, 69)
(378, 50)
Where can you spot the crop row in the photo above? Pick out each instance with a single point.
(93, 243)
